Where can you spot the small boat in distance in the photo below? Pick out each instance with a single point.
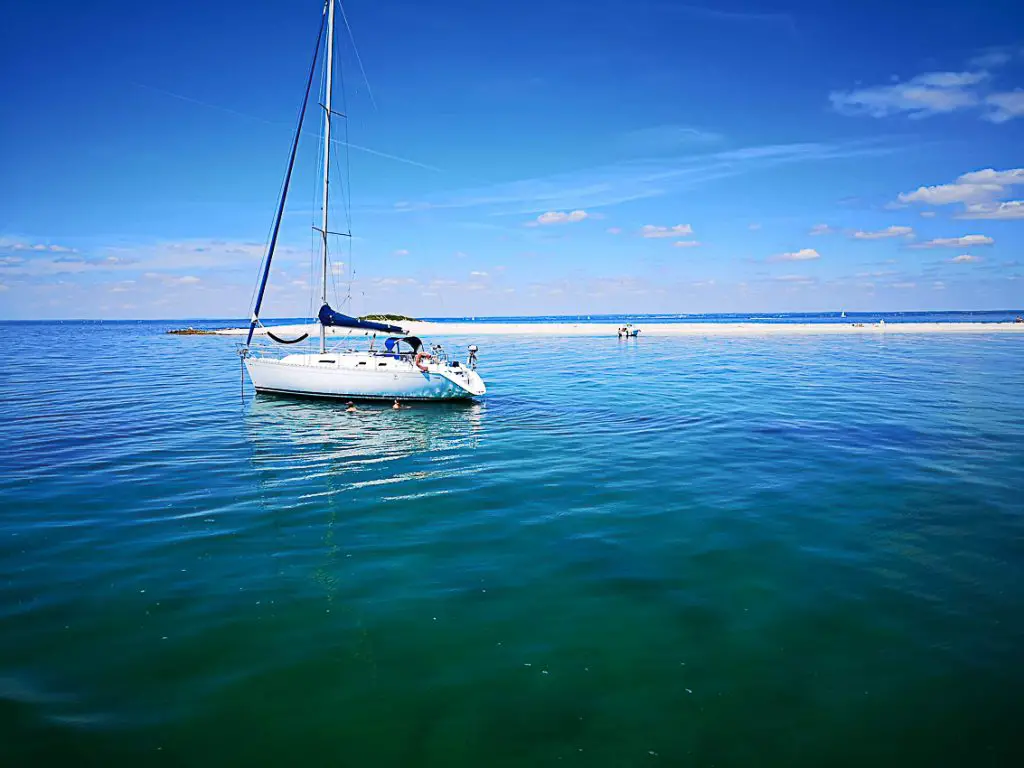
(628, 331)
(402, 368)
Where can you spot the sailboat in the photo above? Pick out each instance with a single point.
(401, 368)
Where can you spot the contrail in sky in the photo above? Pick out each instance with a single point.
(246, 115)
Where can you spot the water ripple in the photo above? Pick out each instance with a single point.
(677, 546)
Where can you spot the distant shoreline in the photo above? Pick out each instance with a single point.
(652, 329)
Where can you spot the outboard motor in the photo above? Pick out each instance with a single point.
(471, 362)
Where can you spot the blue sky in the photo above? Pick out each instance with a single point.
(521, 158)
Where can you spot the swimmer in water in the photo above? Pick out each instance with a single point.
(396, 406)
(351, 407)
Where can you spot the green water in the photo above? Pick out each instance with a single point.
(713, 552)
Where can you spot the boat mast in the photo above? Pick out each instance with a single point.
(329, 67)
(284, 188)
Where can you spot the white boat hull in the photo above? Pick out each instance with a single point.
(362, 376)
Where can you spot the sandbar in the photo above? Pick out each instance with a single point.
(430, 329)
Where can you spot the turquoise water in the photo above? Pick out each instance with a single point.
(771, 551)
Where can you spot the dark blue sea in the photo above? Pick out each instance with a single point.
(771, 551)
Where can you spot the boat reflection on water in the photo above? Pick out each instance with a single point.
(297, 439)
(338, 491)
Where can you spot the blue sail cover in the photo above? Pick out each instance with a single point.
(328, 316)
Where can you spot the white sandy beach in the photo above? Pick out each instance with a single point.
(472, 329)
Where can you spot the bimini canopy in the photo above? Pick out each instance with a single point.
(391, 345)
(328, 316)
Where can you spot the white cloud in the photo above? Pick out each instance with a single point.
(904, 285)
(4, 287)
(927, 214)
(686, 243)
(938, 93)
(932, 93)
(401, 252)
(967, 241)
(993, 58)
(1013, 209)
(558, 217)
(639, 179)
(663, 138)
(979, 192)
(1005, 106)
(614, 230)
(965, 258)
(475, 273)
(884, 234)
(796, 279)
(946, 194)
(653, 230)
(804, 254)
(753, 227)
(7, 244)
(938, 285)
(992, 176)
(821, 229)
(167, 279)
